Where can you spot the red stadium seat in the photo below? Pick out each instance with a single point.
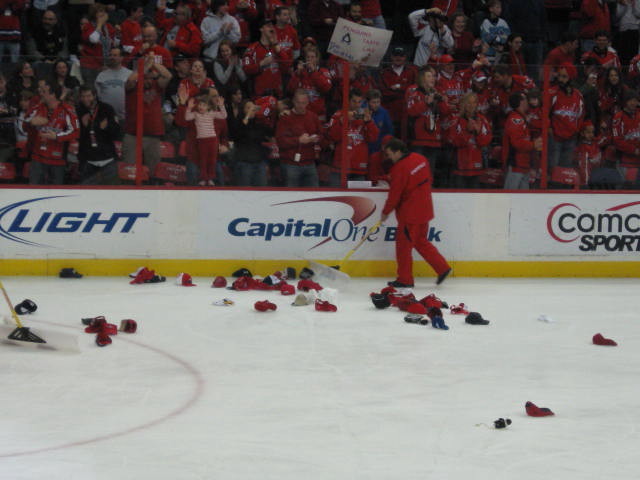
(170, 173)
(7, 171)
(182, 149)
(493, 177)
(25, 169)
(167, 150)
(127, 172)
(118, 146)
(565, 176)
(630, 175)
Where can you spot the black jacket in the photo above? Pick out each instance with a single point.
(105, 138)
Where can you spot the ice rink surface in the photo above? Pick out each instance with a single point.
(228, 393)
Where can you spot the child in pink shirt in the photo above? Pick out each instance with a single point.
(203, 111)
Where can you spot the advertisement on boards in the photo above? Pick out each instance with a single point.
(585, 225)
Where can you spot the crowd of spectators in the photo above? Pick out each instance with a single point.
(243, 92)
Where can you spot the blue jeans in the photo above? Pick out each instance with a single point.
(299, 175)
(42, 174)
(251, 174)
(561, 152)
(12, 49)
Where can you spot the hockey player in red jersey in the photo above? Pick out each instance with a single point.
(410, 197)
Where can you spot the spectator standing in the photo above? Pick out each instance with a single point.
(627, 36)
(98, 36)
(322, 16)
(110, 83)
(55, 124)
(434, 37)
(298, 136)
(314, 80)
(99, 129)
(465, 45)
(23, 79)
(372, 13)
(227, 69)
(565, 53)
(626, 132)
(131, 32)
(10, 28)
(181, 36)
(69, 84)
(513, 55)
(588, 155)
(529, 19)
(203, 110)
(361, 130)
(427, 107)
(150, 44)
(218, 26)
(567, 113)
(410, 197)
(470, 134)
(502, 85)
(249, 151)
(380, 116)
(287, 38)
(8, 112)
(595, 17)
(245, 12)
(494, 31)
(517, 144)
(261, 62)
(47, 43)
(394, 81)
(155, 80)
(602, 52)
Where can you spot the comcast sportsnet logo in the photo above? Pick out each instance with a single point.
(615, 229)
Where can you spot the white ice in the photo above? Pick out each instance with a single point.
(228, 393)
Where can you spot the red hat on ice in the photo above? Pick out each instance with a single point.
(184, 280)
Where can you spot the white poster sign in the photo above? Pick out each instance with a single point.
(592, 225)
(358, 43)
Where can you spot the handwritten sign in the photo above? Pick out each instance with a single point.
(358, 43)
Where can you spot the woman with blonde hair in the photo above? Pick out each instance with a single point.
(470, 133)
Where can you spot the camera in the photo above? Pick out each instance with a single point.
(358, 114)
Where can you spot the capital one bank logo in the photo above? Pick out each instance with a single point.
(21, 220)
(614, 229)
(326, 229)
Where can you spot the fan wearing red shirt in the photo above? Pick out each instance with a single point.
(150, 45)
(156, 78)
(245, 12)
(261, 62)
(395, 81)
(98, 36)
(287, 37)
(410, 197)
(470, 133)
(503, 85)
(181, 36)
(427, 107)
(361, 130)
(602, 52)
(55, 124)
(567, 114)
(131, 32)
(517, 145)
(313, 79)
(626, 131)
(563, 53)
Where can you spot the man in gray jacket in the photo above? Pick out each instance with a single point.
(218, 25)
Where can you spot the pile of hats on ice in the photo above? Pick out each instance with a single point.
(104, 330)
(309, 291)
(424, 310)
